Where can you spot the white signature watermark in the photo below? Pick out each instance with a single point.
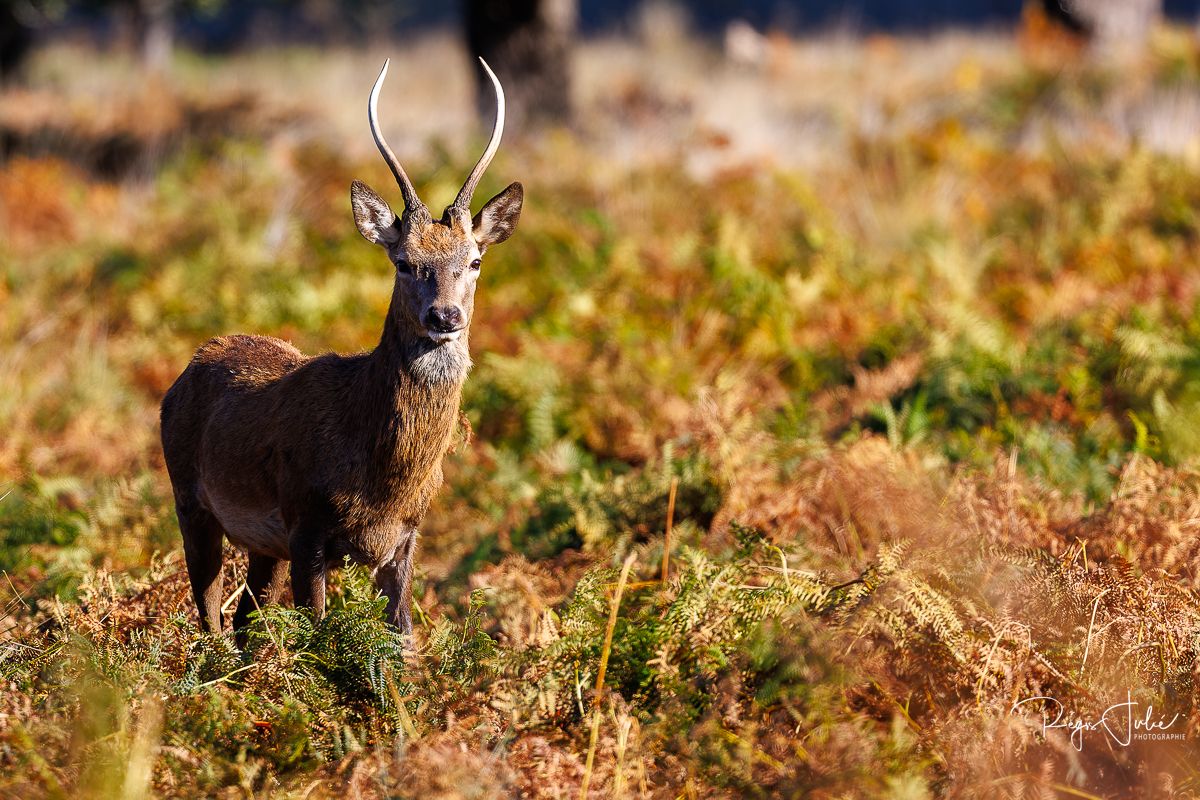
(1121, 722)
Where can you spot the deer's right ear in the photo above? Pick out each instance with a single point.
(373, 216)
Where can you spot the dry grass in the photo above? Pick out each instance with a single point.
(903, 331)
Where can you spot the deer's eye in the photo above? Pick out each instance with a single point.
(476, 264)
(403, 266)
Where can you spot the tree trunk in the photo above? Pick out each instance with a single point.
(15, 42)
(1122, 24)
(152, 26)
(528, 44)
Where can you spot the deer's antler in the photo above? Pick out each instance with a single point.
(463, 201)
(412, 203)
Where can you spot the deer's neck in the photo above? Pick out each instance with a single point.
(411, 392)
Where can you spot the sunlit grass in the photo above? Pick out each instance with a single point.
(931, 406)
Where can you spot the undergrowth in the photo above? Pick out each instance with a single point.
(924, 418)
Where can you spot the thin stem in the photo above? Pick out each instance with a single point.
(613, 608)
(670, 523)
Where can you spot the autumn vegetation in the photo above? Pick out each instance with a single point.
(900, 338)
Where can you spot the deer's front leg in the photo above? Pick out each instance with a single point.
(307, 546)
(394, 579)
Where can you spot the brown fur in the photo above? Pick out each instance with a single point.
(315, 459)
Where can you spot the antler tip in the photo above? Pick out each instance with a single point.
(411, 201)
(488, 69)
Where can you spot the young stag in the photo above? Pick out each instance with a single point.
(310, 460)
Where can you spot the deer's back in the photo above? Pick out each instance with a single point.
(239, 367)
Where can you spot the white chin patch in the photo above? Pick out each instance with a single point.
(441, 338)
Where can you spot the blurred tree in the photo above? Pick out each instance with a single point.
(528, 44)
(1106, 22)
(149, 25)
(152, 25)
(16, 38)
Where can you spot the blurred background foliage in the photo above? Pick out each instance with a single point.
(903, 326)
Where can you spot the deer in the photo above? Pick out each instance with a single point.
(306, 461)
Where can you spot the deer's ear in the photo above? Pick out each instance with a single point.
(374, 218)
(496, 221)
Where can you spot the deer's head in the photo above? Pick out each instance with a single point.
(437, 261)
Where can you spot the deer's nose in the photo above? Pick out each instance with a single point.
(444, 319)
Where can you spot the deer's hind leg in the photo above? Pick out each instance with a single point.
(265, 580)
(203, 537)
(307, 547)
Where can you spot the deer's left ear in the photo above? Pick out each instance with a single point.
(497, 220)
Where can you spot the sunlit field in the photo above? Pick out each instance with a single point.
(898, 338)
